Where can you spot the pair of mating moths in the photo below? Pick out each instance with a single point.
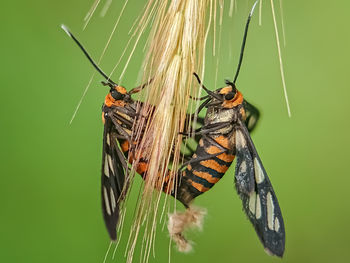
(223, 136)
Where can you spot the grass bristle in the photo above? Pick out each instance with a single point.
(176, 50)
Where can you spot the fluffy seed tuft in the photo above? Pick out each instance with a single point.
(180, 222)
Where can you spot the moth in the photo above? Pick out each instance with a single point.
(225, 136)
(119, 113)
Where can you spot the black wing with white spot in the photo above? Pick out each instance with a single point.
(259, 200)
(114, 169)
(252, 115)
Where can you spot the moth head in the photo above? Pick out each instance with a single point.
(118, 92)
(229, 92)
(117, 96)
(231, 96)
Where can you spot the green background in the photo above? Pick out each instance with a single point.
(50, 170)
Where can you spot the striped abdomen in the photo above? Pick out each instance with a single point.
(203, 174)
(163, 183)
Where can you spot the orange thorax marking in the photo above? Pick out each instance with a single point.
(110, 101)
(120, 89)
(225, 90)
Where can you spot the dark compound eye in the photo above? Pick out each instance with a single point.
(230, 95)
(117, 95)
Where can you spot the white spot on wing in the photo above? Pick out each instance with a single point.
(243, 167)
(113, 201)
(252, 202)
(251, 121)
(277, 224)
(268, 251)
(106, 168)
(270, 211)
(258, 207)
(259, 174)
(110, 163)
(240, 140)
(108, 139)
(105, 194)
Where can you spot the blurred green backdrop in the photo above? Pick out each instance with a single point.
(50, 203)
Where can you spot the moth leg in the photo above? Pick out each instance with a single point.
(141, 87)
(207, 129)
(128, 111)
(119, 127)
(213, 127)
(201, 159)
(190, 117)
(118, 136)
(119, 152)
(202, 98)
(204, 104)
(213, 142)
(122, 119)
(210, 93)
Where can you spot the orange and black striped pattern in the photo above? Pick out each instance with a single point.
(202, 175)
(213, 155)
